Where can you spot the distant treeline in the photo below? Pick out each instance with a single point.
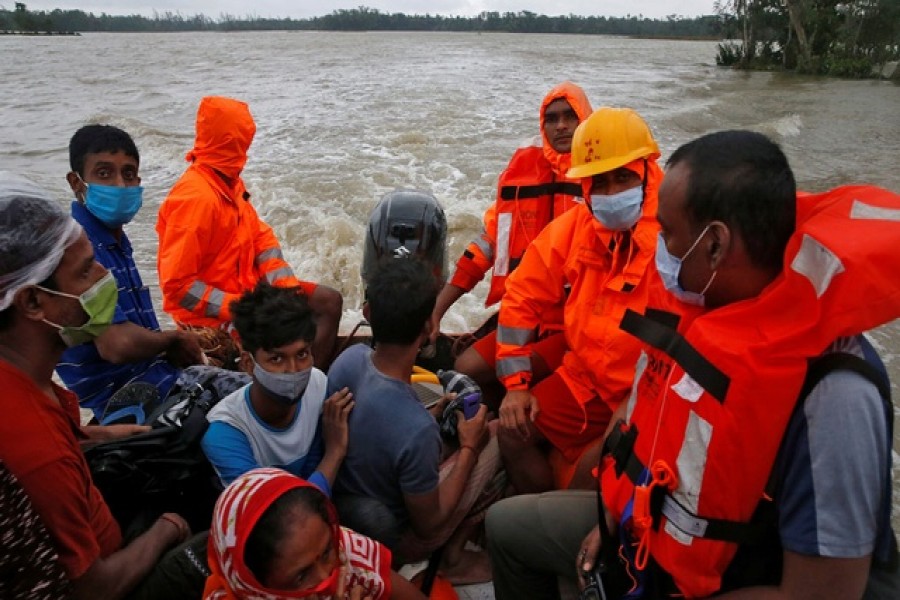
(846, 38)
(365, 19)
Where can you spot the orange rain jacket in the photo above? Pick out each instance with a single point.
(212, 244)
(531, 192)
(605, 272)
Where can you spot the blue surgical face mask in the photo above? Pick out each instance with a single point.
(620, 211)
(669, 268)
(286, 388)
(113, 205)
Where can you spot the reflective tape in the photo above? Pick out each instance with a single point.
(193, 296)
(511, 366)
(268, 254)
(504, 229)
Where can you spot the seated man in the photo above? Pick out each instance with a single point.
(756, 456)
(107, 187)
(393, 485)
(282, 418)
(532, 191)
(595, 260)
(51, 290)
(213, 246)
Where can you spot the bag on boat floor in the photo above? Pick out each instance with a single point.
(162, 470)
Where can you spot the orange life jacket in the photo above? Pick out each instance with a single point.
(531, 192)
(714, 390)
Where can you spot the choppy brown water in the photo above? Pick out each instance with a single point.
(345, 117)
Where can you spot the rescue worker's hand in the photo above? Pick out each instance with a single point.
(473, 432)
(335, 413)
(587, 555)
(518, 408)
(184, 349)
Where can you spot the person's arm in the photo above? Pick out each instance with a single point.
(228, 450)
(476, 260)
(430, 511)
(403, 589)
(813, 577)
(116, 575)
(335, 433)
(537, 284)
(447, 297)
(128, 342)
(328, 306)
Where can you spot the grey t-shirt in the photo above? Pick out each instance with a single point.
(395, 445)
(833, 469)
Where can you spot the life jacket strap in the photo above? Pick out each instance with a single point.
(712, 529)
(525, 192)
(667, 340)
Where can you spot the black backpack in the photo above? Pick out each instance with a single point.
(162, 470)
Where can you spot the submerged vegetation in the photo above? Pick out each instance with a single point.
(830, 37)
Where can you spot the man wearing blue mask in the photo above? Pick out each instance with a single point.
(282, 419)
(108, 194)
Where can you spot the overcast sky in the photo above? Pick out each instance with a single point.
(311, 8)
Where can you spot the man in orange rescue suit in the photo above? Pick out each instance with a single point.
(212, 244)
(531, 192)
(593, 259)
(755, 456)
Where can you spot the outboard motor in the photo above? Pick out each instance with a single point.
(407, 223)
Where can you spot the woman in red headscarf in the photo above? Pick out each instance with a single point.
(276, 536)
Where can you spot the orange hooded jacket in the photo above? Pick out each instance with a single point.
(531, 192)
(212, 244)
(598, 274)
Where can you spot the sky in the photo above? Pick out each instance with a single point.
(312, 8)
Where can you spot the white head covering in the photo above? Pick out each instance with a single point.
(34, 233)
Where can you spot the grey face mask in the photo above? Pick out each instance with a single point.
(286, 388)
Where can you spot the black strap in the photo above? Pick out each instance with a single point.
(620, 445)
(674, 345)
(526, 192)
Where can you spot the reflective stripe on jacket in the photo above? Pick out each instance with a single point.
(605, 273)
(715, 389)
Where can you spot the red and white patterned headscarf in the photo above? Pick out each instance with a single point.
(362, 561)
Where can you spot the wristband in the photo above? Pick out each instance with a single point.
(179, 526)
(472, 448)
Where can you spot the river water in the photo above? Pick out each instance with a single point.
(345, 117)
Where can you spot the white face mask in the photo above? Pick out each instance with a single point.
(286, 388)
(620, 211)
(669, 268)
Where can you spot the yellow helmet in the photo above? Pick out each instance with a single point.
(608, 139)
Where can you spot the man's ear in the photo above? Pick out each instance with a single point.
(245, 363)
(77, 184)
(28, 303)
(366, 311)
(719, 245)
